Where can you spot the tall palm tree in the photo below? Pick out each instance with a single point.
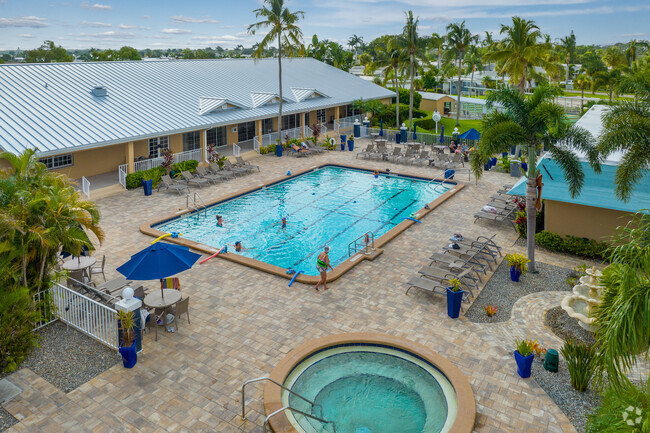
(614, 57)
(609, 79)
(416, 49)
(582, 82)
(632, 50)
(531, 121)
(437, 43)
(568, 44)
(459, 40)
(521, 49)
(283, 26)
(473, 63)
(394, 60)
(354, 42)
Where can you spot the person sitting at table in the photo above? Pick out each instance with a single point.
(453, 147)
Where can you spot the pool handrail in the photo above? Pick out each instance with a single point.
(323, 420)
(259, 379)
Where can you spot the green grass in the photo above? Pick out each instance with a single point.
(589, 95)
(450, 124)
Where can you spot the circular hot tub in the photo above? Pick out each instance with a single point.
(369, 383)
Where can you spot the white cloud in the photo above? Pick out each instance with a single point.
(146, 17)
(634, 35)
(96, 6)
(23, 21)
(110, 34)
(176, 31)
(95, 24)
(131, 27)
(184, 19)
(26, 36)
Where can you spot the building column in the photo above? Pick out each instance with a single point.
(203, 142)
(130, 157)
(302, 125)
(258, 130)
(336, 116)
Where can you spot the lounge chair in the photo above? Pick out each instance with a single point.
(314, 148)
(378, 153)
(366, 152)
(456, 160)
(194, 180)
(216, 170)
(172, 185)
(211, 177)
(408, 155)
(452, 261)
(502, 215)
(233, 168)
(422, 159)
(299, 151)
(426, 284)
(245, 164)
(397, 152)
(444, 275)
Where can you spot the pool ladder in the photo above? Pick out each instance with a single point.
(360, 244)
(439, 182)
(266, 420)
(196, 205)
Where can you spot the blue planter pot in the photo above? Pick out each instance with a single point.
(514, 274)
(278, 150)
(147, 185)
(513, 149)
(350, 145)
(129, 355)
(524, 166)
(524, 364)
(487, 166)
(504, 154)
(493, 162)
(454, 300)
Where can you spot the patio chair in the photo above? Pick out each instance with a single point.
(366, 152)
(194, 180)
(422, 159)
(450, 261)
(456, 160)
(203, 173)
(171, 185)
(227, 165)
(181, 307)
(397, 152)
(99, 269)
(501, 216)
(378, 153)
(425, 284)
(218, 171)
(314, 148)
(407, 156)
(444, 275)
(245, 164)
(299, 152)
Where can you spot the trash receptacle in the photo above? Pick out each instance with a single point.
(403, 132)
(515, 169)
(398, 138)
(278, 150)
(357, 128)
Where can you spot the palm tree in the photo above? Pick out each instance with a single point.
(394, 60)
(416, 49)
(626, 127)
(354, 42)
(632, 51)
(459, 40)
(608, 79)
(284, 28)
(582, 82)
(532, 121)
(473, 63)
(568, 45)
(521, 50)
(614, 57)
(437, 43)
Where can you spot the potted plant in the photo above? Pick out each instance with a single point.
(147, 183)
(454, 298)
(517, 264)
(127, 349)
(168, 159)
(524, 357)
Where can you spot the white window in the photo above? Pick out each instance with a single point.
(191, 141)
(217, 136)
(321, 116)
(57, 161)
(158, 143)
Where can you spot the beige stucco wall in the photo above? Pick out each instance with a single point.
(431, 105)
(582, 221)
(95, 161)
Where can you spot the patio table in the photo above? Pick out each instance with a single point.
(82, 263)
(440, 148)
(163, 300)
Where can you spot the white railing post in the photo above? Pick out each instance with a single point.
(256, 144)
(121, 173)
(85, 186)
(236, 150)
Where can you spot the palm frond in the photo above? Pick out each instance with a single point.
(570, 164)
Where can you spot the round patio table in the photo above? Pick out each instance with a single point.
(163, 299)
(79, 263)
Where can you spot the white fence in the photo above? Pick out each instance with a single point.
(121, 173)
(85, 186)
(422, 137)
(82, 313)
(272, 137)
(256, 144)
(348, 122)
(236, 150)
(148, 164)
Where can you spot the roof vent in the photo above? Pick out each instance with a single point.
(99, 91)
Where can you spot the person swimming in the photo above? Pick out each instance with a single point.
(239, 247)
(284, 223)
(219, 221)
(376, 173)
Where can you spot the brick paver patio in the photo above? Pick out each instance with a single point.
(244, 321)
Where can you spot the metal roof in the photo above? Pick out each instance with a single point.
(50, 106)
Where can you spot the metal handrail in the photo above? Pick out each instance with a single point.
(196, 206)
(259, 379)
(323, 420)
(205, 207)
(436, 179)
(352, 246)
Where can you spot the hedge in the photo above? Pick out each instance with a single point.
(388, 115)
(582, 247)
(405, 97)
(134, 180)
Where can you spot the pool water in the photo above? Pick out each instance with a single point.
(368, 389)
(327, 206)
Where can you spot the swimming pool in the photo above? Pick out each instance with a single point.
(329, 205)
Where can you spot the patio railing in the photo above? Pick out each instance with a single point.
(272, 137)
(236, 150)
(148, 164)
(122, 170)
(256, 144)
(85, 186)
(422, 137)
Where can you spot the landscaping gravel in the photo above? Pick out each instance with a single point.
(501, 292)
(6, 419)
(575, 405)
(67, 358)
(567, 327)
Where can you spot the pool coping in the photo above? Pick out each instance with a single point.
(465, 416)
(148, 229)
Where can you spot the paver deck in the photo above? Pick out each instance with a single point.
(244, 321)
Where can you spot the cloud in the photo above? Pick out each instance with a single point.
(227, 27)
(110, 34)
(23, 21)
(26, 36)
(634, 35)
(176, 31)
(96, 6)
(146, 17)
(95, 24)
(184, 19)
(131, 27)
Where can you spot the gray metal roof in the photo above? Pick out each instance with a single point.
(51, 107)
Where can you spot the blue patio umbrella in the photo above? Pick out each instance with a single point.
(157, 261)
(471, 134)
(381, 127)
(442, 134)
(415, 127)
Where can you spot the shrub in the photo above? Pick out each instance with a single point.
(185, 165)
(573, 245)
(519, 261)
(264, 150)
(490, 310)
(524, 347)
(579, 358)
(134, 180)
(405, 98)
(17, 317)
(622, 409)
(388, 115)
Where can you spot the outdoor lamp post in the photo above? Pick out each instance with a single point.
(436, 118)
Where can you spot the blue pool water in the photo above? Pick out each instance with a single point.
(328, 206)
(369, 390)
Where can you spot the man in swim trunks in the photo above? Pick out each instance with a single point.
(322, 263)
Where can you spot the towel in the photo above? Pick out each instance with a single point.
(489, 209)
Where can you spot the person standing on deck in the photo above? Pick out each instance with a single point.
(322, 263)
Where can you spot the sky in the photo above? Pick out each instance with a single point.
(25, 24)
